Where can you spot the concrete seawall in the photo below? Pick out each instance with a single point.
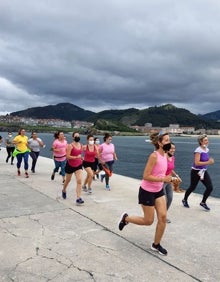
(46, 238)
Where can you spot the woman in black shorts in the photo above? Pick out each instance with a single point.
(151, 195)
(90, 153)
(74, 165)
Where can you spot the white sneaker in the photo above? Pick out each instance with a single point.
(89, 190)
(84, 188)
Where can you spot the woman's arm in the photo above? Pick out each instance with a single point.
(198, 162)
(147, 175)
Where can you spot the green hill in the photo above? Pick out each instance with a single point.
(160, 116)
(64, 111)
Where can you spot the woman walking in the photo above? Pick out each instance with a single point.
(199, 172)
(97, 166)
(90, 153)
(151, 194)
(9, 147)
(74, 165)
(168, 187)
(59, 154)
(34, 143)
(21, 151)
(107, 156)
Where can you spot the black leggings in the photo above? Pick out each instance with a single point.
(10, 151)
(207, 182)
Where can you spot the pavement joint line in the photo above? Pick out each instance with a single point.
(137, 246)
(36, 213)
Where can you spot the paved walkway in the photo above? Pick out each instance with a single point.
(46, 238)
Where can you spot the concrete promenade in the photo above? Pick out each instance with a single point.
(45, 238)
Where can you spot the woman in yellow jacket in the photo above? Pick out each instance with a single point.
(21, 151)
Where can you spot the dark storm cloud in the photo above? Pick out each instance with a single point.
(110, 54)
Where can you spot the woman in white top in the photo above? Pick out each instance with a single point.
(34, 143)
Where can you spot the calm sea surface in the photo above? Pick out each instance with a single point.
(133, 152)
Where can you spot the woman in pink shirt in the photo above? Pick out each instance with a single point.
(59, 154)
(107, 156)
(168, 187)
(151, 195)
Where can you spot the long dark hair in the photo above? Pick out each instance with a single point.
(106, 136)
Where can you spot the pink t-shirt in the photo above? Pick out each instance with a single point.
(170, 165)
(61, 154)
(159, 170)
(107, 152)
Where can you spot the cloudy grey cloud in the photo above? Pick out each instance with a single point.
(110, 54)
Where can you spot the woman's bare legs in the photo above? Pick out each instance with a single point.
(147, 219)
(67, 181)
(78, 175)
(89, 177)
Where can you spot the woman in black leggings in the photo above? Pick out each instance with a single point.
(199, 172)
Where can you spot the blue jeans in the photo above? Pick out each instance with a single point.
(21, 156)
(60, 165)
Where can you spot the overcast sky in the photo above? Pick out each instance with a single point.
(110, 54)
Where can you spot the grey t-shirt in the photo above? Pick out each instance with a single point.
(8, 141)
(34, 145)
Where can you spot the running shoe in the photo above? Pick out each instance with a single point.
(122, 221)
(204, 206)
(185, 203)
(158, 248)
(168, 220)
(107, 187)
(26, 175)
(85, 188)
(79, 202)
(64, 195)
(89, 190)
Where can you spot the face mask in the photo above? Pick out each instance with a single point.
(167, 147)
(97, 142)
(9, 135)
(204, 146)
(77, 139)
(91, 142)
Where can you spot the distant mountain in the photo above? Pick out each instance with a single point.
(214, 116)
(160, 116)
(168, 114)
(64, 111)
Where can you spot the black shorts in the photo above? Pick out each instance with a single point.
(70, 169)
(147, 198)
(89, 164)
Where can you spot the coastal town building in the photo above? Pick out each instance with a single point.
(47, 122)
(173, 129)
